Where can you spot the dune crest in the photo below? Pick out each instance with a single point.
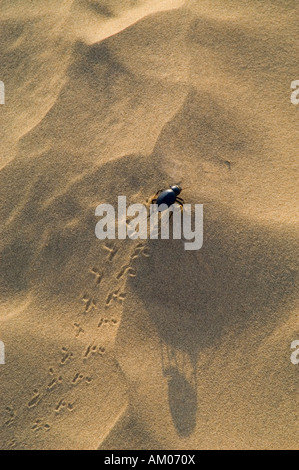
(93, 21)
(116, 344)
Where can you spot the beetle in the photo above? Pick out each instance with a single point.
(168, 197)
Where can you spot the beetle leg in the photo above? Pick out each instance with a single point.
(157, 194)
(180, 200)
(153, 201)
(181, 204)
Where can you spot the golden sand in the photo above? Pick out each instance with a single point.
(187, 350)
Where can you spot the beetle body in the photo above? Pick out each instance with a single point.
(168, 197)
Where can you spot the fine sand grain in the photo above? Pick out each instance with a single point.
(142, 345)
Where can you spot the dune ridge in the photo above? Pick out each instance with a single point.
(123, 345)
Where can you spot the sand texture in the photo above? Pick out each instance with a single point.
(139, 344)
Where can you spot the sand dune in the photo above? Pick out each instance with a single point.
(188, 350)
(94, 20)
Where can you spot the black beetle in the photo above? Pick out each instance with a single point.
(168, 197)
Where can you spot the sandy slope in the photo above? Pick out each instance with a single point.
(185, 349)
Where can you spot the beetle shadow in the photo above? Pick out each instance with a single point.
(194, 299)
(180, 373)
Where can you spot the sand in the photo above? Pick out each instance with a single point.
(187, 350)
